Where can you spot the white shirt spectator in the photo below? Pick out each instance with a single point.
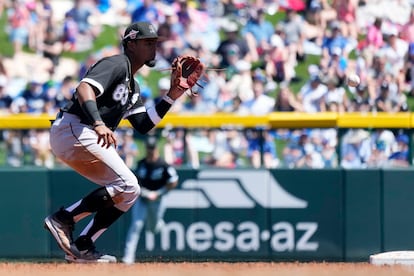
(311, 94)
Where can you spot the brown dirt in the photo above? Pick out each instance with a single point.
(204, 269)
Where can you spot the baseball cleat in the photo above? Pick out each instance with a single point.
(61, 226)
(90, 256)
(87, 252)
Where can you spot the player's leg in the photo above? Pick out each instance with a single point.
(152, 217)
(138, 216)
(109, 202)
(78, 148)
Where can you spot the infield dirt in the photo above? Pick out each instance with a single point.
(204, 269)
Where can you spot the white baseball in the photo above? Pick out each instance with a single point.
(353, 80)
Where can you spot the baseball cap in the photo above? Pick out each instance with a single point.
(140, 30)
(403, 138)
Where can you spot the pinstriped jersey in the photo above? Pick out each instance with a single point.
(117, 92)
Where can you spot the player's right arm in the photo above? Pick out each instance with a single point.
(87, 100)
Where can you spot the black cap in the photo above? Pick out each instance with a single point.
(151, 142)
(140, 30)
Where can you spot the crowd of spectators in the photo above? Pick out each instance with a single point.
(253, 63)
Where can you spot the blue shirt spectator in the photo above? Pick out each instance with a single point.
(147, 11)
(259, 27)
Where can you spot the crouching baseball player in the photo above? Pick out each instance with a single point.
(82, 137)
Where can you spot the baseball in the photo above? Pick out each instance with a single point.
(353, 80)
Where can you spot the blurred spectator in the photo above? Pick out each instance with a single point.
(227, 147)
(293, 151)
(384, 102)
(286, 100)
(5, 99)
(18, 24)
(40, 148)
(409, 70)
(407, 29)
(70, 33)
(225, 100)
(278, 66)
(400, 157)
(394, 52)
(383, 139)
(360, 101)
(145, 10)
(81, 13)
(374, 39)
(46, 14)
(52, 47)
(311, 93)
(232, 48)
(329, 154)
(34, 98)
(378, 157)
(79, 33)
(335, 94)
(291, 29)
(261, 104)
(169, 47)
(196, 104)
(14, 147)
(311, 158)
(241, 83)
(65, 90)
(334, 42)
(355, 149)
(258, 30)
(37, 26)
(179, 149)
(337, 66)
(346, 14)
(254, 152)
(319, 13)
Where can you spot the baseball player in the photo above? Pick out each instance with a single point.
(156, 178)
(82, 136)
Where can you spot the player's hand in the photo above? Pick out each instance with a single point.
(186, 71)
(105, 136)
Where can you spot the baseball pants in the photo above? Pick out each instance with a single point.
(76, 145)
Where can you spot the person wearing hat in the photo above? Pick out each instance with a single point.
(156, 177)
(311, 94)
(401, 156)
(82, 136)
(233, 47)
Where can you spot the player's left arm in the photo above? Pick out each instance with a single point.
(145, 120)
(186, 71)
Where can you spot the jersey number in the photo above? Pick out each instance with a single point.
(120, 94)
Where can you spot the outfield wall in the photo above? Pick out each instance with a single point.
(218, 214)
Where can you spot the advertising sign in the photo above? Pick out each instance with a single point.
(251, 214)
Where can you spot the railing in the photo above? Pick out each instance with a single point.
(190, 123)
(219, 120)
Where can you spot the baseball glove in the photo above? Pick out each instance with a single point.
(186, 71)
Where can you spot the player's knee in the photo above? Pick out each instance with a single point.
(134, 189)
(127, 193)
